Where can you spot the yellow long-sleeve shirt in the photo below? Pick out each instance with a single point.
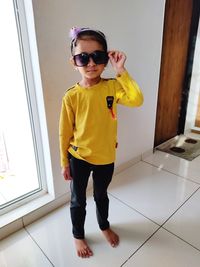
(87, 128)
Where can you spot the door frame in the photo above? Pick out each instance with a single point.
(179, 38)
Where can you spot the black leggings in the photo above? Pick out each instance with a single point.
(102, 176)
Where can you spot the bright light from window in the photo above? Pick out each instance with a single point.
(18, 168)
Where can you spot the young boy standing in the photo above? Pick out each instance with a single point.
(88, 128)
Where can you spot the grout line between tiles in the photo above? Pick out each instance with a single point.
(176, 212)
(134, 209)
(180, 238)
(160, 226)
(39, 247)
(140, 246)
(126, 168)
(180, 206)
(163, 169)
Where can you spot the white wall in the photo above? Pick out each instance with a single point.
(132, 26)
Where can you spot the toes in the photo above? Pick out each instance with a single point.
(85, 253)
(90, 252)
(114, 243)
(82, 248)
(112, 237)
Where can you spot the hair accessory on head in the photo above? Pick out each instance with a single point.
(74, 31)
(74, 35)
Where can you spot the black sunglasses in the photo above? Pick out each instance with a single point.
(99, 57)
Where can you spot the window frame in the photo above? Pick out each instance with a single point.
(30, 64)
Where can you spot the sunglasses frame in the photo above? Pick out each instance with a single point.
(104, 59)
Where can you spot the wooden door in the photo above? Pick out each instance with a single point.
(176, 34)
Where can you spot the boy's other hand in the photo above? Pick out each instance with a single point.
(66, 173)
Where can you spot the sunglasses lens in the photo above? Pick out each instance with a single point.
(100, 57)
(81, 59)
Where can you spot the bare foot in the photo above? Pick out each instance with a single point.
(111, 237)
(82, 248)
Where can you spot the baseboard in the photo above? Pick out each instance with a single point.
(147, 153)
(46, 209)
(127, 164)
(11, 228)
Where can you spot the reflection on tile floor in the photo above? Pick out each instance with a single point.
(154, 206)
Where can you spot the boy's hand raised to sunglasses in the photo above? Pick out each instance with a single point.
(117, 60)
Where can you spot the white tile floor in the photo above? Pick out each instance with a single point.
(154, 206)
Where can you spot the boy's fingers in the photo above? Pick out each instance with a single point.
(68, 176)
(66, 173)
(116, 55)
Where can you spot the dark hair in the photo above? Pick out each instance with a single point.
(88, 34)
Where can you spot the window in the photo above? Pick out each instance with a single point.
(22, 171)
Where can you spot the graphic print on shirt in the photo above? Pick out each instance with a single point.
(109, 100)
